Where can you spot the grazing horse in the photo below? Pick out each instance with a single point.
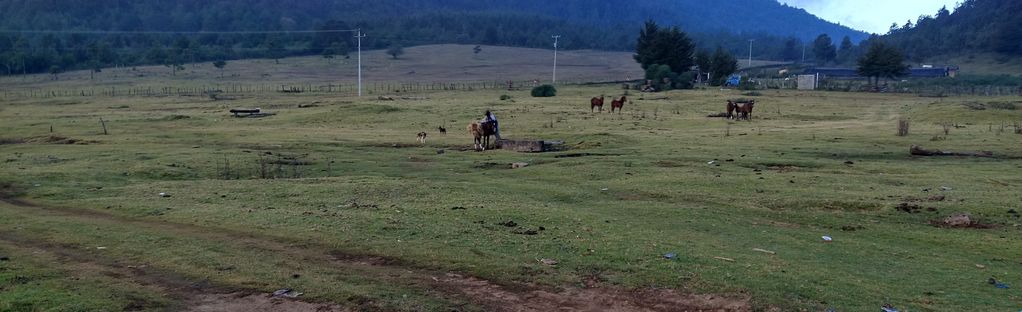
(731, 109)
(744, 109)
(618, 104)
(596, 102)
(481, 133)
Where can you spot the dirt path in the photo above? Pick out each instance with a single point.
(198, 296)
(457, 287)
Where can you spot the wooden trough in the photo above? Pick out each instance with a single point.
(527, 146)
(249, 113)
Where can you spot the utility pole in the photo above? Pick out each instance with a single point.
(359, 35)
(555, 57)
(803, 53)
(750, 51)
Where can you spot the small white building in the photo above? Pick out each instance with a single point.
(807, 82)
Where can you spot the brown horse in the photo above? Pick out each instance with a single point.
(730, 109)
(596, 102)
(744, 109)
(481, 133)
(618, 104)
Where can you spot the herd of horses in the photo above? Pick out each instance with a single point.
(740, 110)
(597, 102)
(481, 132)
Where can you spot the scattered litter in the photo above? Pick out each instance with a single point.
(827, 239)
(4, 258)
(980, 266)
(164, 194)
(945, 188)
(725, 259)
(888, 308)
(287, 293)
(440, 152)
(670, 255)
(519, 165)
(548, 261)
(101, 248)
(37, 185)
(997, 284)
(604, 189)
(712, 162)
(764, 251)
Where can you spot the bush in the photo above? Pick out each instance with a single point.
(544, 91)
(505, 97)
(746, 84)
(1002, 105)
(684, 80)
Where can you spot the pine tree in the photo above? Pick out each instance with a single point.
(669, 46)
(823, 48)
(882, 61)
(723, 65)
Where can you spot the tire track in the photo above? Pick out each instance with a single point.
(454, 287)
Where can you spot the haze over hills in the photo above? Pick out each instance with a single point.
(779, 30)
(601, 25)
(697, 16)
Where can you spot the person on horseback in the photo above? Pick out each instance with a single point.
(489, 118)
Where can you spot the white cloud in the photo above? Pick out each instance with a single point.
(874, 16)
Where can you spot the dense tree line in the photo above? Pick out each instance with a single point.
(975, 26)
(583, 24)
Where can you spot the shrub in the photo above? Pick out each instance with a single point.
(544, 91)
(746, 84)
(505, 97)
(1002, 105)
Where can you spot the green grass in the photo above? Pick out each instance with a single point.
(644, 188)
(30, 282)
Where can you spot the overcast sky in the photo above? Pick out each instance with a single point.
(872, 16)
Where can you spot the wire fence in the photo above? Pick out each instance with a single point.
(841, 85)
(350, 89)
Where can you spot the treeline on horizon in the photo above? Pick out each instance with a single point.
(63, 51)
(976, 26)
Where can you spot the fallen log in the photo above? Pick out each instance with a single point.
(916, 150)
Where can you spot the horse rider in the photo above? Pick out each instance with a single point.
(489, 118)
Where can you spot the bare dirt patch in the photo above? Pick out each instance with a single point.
(55, 139)
(961, 221)
(248, 302)
(590, 299)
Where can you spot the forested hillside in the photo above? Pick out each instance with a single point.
(976, 26)
(583, 24)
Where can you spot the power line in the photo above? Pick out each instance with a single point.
(151, 32)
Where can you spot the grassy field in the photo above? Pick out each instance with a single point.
(334, 198)
(424, 64)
